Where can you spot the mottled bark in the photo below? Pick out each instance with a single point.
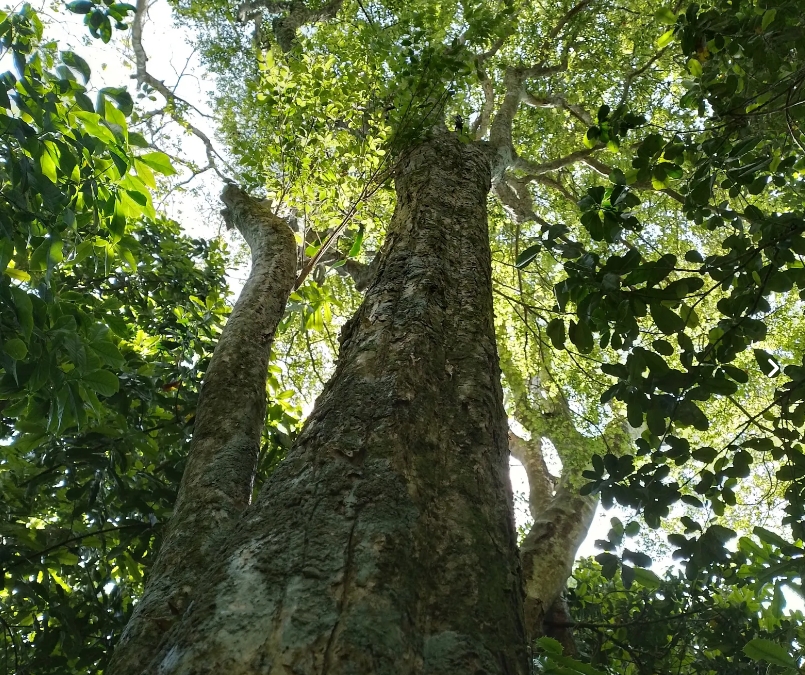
(561, 523)
(217, 483)
(385, 544)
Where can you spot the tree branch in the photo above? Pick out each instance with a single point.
(554, 101)
(217, 483)
(630, 77)
(537, 169)
(500, 134)
(481, 126)
(569, 15)
(144, 77)
(541, 483)
(291, 17)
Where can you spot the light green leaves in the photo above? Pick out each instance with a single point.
(158, 161)
(91, 124)
(665, 39)
(768, 18)
(665, 15)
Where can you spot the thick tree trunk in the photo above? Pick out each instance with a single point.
(385, 542)
(217, 483)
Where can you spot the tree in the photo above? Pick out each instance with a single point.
(384, 541)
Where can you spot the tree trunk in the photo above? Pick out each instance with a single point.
(562, 519)
(217, 482)
(385, 542)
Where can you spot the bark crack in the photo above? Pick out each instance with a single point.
(345, 586)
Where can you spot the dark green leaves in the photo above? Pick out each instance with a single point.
(528, 255)
(581, 336)
(760, 649)
(666, 319)
(556, 332)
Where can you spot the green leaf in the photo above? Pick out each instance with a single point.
(646, 578)
(665, 38)
(15, 348)
(767, 363)
(75, 62)
(158, 161)
(760, 649)
(356, 245)
(93, 127)
(581, 336)
(550, 645)
(80, 6)
(556, 332)
(769, 537)
(25, 309)
(695, 67)
(666, 319)
(102, 381)
(665, 15)
(527, 256)
(108, 352)
(768, 18)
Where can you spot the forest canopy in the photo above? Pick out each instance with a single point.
(647, 240)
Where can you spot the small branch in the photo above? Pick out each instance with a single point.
(144, 77)
(554, 101)
(481, 126)
(541, 483)
(627, 83)
(569, 15)
(560, 162)
(72, 540)
(553, 183)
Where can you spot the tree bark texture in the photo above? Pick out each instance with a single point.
(385, 542)
(562, 519)
(217, 482)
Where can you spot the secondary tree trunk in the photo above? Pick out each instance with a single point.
(217, 482)
(385, 542)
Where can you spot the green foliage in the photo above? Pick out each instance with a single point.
(739, 187)
(720, 624)
(99, 17)
(108, 318)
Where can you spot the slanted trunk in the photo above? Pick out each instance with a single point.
(550, 548)
(385, 542)
(562, 519)
(217, 482)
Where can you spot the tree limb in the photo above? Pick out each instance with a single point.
(144, 77)
(218, 479)
(554, 101)
(537, 169)
(291, 17)
(480, 127)
(577, 9)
